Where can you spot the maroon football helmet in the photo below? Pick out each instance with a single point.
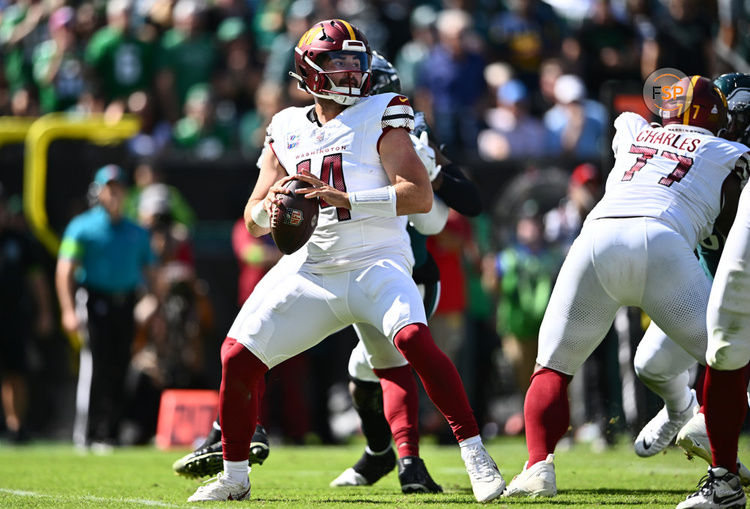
(698, 103)
(332, 61)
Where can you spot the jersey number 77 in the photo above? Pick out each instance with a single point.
(645, 153)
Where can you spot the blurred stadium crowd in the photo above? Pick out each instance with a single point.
(521, 92)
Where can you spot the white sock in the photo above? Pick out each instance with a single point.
(474, 441)
(237, 471)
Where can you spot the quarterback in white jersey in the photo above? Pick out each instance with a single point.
(635, 249)
(345, 153)
(356, 155)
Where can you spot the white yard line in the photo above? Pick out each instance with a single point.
(90, 498)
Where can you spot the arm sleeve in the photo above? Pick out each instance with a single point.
(433, 221)
(458, 192)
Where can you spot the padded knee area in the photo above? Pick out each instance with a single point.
(652, 366)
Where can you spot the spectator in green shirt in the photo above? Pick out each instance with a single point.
(187, 56)
(199, 130)
(21, 30)
(58, 66)
(122, 60)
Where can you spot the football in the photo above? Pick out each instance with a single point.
(294, 221)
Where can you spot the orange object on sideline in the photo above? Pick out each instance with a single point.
(184, 416)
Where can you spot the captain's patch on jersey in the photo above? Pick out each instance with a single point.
(398, 113)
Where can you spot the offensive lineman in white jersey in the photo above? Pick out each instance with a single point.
(636, 249)
(356, 154)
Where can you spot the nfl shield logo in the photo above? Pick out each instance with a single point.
(319, 136)
(292, 217)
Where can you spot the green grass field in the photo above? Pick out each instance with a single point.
(56, 476)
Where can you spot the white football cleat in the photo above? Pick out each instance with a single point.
(661, 430)
(221, 487)
(720, 489)
(369, 469)
(486, 481)
(693, 439)
(349, 477)
(537, 481)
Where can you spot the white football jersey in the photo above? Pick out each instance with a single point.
(674, 173)
(344, 153)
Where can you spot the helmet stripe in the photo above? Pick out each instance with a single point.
(349, 29)
(689, 99)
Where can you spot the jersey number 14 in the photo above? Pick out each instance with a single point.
(332, 173)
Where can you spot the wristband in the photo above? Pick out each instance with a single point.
(377, 202)
(260, 216)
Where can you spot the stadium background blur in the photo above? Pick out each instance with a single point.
(521, 92)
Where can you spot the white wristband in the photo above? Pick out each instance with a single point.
(377, 202)
(260, 216)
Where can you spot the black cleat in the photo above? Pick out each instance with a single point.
(206, 461)
(209, 461)
(414, 477)
(213, 437)
(259, 447)
(368, 470)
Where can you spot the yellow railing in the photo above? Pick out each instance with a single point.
(39, 135)
(14, 129)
